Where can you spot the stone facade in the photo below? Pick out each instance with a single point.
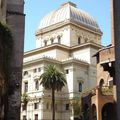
(11, 13)
(69, 45)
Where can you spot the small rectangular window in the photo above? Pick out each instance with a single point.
(26, 87)
(67, 106)
(24, 107)
(67, 71)
(36, 105)
(39, 69)
(35, 70)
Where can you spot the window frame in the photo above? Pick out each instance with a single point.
(80, 85)
(36, 85)
(36, 116)
(36, 105)
(67, 106)
(66, 71)
(79, 40)
(26, 86)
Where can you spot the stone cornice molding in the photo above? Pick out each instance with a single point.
(55, 61)
(61, 46)
(65, 23)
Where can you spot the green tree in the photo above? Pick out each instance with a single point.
(54, 80)
(77, 108)
(25, 98)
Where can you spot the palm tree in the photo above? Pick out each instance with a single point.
(52, 79)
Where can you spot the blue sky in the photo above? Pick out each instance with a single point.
(35, 10)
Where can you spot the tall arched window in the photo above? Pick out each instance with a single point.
(52, 40)
(45, 42)
(59, 39)
(79, 40)
(36, 85)
(80, 87)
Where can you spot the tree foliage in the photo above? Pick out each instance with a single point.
(52, 77)
(25, 98)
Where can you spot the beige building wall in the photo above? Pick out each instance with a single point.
(58, 44)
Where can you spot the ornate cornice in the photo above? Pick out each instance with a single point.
(65, 23)
(62, 47)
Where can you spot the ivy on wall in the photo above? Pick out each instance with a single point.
(6, 45)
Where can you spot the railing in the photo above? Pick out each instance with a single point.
(107, 90)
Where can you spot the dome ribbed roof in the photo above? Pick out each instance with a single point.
(68, 11)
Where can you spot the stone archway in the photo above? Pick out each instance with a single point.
(108, 111)
(94, 112)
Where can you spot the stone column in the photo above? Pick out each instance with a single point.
(116, 13)
(98, 107)
(15, 20)
(112, 22)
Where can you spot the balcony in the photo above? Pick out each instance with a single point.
(107, 90)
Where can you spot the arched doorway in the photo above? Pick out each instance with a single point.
(86, 113)
(108, 111)
(94, 113)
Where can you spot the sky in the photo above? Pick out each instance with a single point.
(35, 10)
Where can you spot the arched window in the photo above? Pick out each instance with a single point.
(52, 40)
(101, 83)
(45, 42)
(80, 87)
(36, 85)
(79, 40)
(59, 39)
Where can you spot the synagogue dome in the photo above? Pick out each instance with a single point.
(69, 11)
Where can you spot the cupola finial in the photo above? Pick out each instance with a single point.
(69, 3)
